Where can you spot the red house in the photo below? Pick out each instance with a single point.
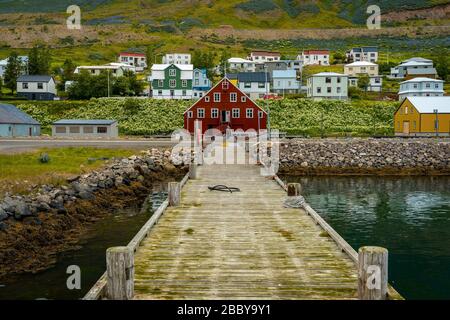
(225, 107)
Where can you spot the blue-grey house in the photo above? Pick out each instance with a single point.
(200, 84)
(285, 81)
(16, 123)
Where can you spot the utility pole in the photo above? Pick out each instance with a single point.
(436, 123)
(108, 84)
(267, 104)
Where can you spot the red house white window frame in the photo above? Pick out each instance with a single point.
(201, 113)
(233, 97)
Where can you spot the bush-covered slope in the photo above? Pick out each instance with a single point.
(296, 116)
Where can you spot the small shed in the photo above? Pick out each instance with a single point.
(16, 123)
(423, 116)
(85, 128)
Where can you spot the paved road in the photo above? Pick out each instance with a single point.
(9, 146)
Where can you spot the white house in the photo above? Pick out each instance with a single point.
(255, 84)
(285, 81)
(327, 85)
(356, 69)
(264, 56)
(36, 87)
(315, 57)
(136, 60)
(414, 67)
(421, 87)
(369, 54)
(114, 70)
(241, 65)
(177, 58)
(201, 84)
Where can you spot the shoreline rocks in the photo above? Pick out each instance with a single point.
(365, 156)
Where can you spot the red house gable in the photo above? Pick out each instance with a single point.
(225, 107)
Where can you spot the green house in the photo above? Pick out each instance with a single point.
(172, 81)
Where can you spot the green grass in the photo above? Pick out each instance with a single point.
(18, 172)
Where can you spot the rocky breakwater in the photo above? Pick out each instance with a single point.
(33, 228)
(365, 156)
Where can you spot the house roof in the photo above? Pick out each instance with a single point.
(284, 74)
(422, 71)
(36, 78)
(414, 63)
(361, 64)
(11, 115)
(232, 76)
(329, 74)
(84, 122)
(183, 67)
(111, 66)
(421, 79)
(365, 49)
(132, 54)
(417, 59)
(239, 60)
(253, 76)
(429, 104)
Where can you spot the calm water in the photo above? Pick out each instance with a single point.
(410, 216)
(114, 230)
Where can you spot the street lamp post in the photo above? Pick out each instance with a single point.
(267, 105)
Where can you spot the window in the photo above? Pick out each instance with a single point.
(207, 99)
(172, 83)
(327, 80)
(243, 99)
(261, 85)
(184, 83)
(159, 92)
(190, 114)
(217, 97)
(414, 125)
(74, 129)
(183, 93)
(102, 130)
(249, 113)
(319, 90)
(197, 82)
(406, 110)
(25, 85)
(60, 129)
(247, 85)
(233, 97)
(225, 85)
(328, 89)
(428, 85)
(236, 113)
(88, 130)
(172, 73)
(200, 113)
(338, 80)
(214, 113)
(160, 83)
(338, 89)
(260, 114)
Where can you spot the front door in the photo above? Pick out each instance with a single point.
(405, 127)
(225, 116)
(30, 132)
(172, 93)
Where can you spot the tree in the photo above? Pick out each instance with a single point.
(363, 82)
(443, 64)
(13, 71)
(338, 57)
(39, 60)
(66, 73)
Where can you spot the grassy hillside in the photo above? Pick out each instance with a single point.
(299, 116)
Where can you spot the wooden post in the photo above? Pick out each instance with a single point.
(294, 189)
(174, 194)
(120, 273)
(372, 273)
(193, 171)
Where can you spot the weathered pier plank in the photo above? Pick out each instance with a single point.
(242, 245)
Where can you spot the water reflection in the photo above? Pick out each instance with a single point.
(408, 215)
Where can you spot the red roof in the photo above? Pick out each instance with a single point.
(132, 54)
(316, 52)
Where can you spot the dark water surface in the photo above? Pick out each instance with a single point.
(410, 216)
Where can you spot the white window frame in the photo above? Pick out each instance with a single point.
(207, 99)
(172, 83)
(236, 113)
(217, 97)
(233, 97)
(247, 113)
(214, 113)
(172, 72)
(243, 99)
(190, 114)
(261, 114)
(201, 113)
(160, 83)
(184, 83)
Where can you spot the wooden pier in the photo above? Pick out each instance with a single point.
(240, 245)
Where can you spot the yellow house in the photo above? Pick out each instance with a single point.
(423, 116)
